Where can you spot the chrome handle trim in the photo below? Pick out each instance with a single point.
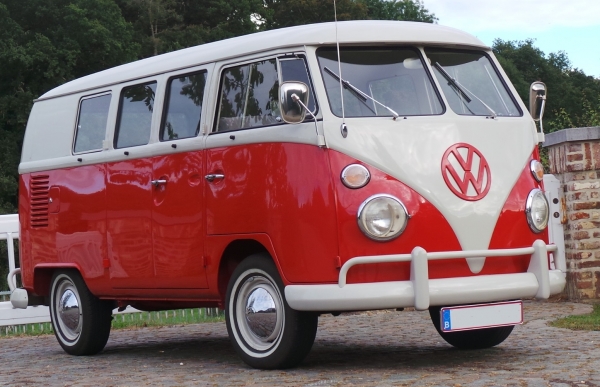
(156, 183)
(214, 176)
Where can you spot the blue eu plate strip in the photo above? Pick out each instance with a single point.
(446, 324)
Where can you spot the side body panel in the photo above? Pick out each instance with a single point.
(283, 190)
(63, 222)
(112, 224)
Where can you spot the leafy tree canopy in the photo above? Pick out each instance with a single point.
(286, 13)
(167, 25)
(573, 97)
(44, 43)
(408, 10)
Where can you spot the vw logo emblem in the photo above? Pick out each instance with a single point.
(466, 172)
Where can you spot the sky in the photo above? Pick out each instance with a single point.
(571, 26)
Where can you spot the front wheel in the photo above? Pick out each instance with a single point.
(264, 330)
(473, 339)
(80, 320)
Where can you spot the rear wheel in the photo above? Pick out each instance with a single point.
(264, 330)
(473, 339)
(80, 320)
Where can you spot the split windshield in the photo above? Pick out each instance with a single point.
(471, 84)
(394, 77)
(384, 81)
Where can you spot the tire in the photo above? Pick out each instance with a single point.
(473, 339)
(273, 336)
(80, 320)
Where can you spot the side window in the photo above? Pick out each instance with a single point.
(249, 96)
(183, 107)
(91, 123)
(295, 70)
(135, 115)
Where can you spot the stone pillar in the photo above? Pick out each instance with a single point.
(574, 157)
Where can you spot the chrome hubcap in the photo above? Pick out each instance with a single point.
(68, 312)
(259, 312)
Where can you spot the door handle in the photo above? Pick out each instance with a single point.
(156, 183)
(214, 176)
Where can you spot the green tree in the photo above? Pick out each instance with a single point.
(409, 10)
(573, 97)
(167, 25)
(85, 36)
(42, 45)
(286, 13)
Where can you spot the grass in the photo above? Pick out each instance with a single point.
(129, 320)
(584, 322)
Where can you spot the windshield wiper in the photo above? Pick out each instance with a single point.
(359, 94)
(461, 88)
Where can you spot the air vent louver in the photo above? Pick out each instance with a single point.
(39, 187)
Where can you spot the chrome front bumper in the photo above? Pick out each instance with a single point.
(421, 292)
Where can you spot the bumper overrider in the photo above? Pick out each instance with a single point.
(421, 292)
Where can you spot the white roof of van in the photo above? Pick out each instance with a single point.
(363, 31)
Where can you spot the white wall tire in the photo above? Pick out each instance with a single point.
(81, 322)
(264, 330)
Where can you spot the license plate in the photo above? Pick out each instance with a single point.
(468, 317)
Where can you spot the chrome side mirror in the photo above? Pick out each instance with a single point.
(537, 100)
(292, 95)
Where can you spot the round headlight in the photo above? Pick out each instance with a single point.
(355, 176)
(536, 209)
(382, 217)
(537, 170)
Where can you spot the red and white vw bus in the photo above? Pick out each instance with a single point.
(278, 178)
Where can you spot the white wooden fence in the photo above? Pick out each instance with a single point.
(9, 231)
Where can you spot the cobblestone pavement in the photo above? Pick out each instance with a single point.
(384, 348)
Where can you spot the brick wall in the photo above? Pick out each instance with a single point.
(574, 157)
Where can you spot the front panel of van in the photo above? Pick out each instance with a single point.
(408, 158)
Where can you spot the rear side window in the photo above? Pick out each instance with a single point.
(91, 123)
(135, 115)
(249, 96)
(183, 107)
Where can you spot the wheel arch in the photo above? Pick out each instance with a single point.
(235, 252)
(42, 276)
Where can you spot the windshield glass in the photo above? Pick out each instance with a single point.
(391, 78)
(471, 84)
